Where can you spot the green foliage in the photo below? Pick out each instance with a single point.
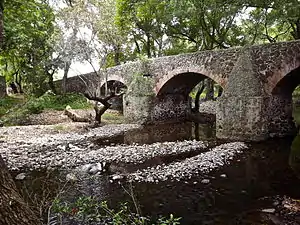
(296, 114)
(161, 27)
(33, 107)
(59, 102)
(28, 27)
(16, 112)
(129, 29)
(88, 210)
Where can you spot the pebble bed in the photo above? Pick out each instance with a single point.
(74, 155)
(21, 149)
(50, 135)
(202, 163)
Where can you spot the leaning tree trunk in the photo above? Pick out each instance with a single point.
(99, 111)
(104, 101)
(51, 82)
(13, 209)
(220, 91)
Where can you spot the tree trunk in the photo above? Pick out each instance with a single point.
(13, 209)
(18, 81)
(196, 127)
(100, 111)
(65, 77)
(117, 55)
(209, 89)
(197, 98)
(148, 45)
(51, 83)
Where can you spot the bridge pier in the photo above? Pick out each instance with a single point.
(151, 109)
(254, 118)
(242, 118)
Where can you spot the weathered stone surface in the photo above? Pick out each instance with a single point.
(2, 87)
(242, 118)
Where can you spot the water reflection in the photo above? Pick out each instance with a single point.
(294, 158)
(163, 132)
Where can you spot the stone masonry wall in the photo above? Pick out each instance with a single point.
(279, 115)
(242, 118)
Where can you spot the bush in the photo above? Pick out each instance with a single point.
(59, 102)
(34, 107)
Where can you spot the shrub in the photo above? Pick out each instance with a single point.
(59, 102)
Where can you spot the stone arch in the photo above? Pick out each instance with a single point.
(287, 83)
(112, 85)
(281, 104)
(184, 80)
(117, 87)
(284, 75)
(112, 78)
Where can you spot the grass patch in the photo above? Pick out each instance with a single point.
(60, 127)
(59, 102)
(14, 111)
(112, 117)
(9, 102)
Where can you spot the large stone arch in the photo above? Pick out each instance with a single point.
(283, 75)
(280, 111)
(197, 73)
(287, 82)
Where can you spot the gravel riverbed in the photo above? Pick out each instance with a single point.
(38, 147)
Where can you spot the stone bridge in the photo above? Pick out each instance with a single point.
(257, 82)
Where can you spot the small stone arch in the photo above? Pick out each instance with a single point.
(195, 73)
(113, 85)
(112, 78)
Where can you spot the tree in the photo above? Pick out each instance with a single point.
(13, 209)
(271, 20)
(91, 34)
(27, 49)
(144, 22)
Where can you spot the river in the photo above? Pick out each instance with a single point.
(251, 190)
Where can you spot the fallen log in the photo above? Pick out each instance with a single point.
(75, 117)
